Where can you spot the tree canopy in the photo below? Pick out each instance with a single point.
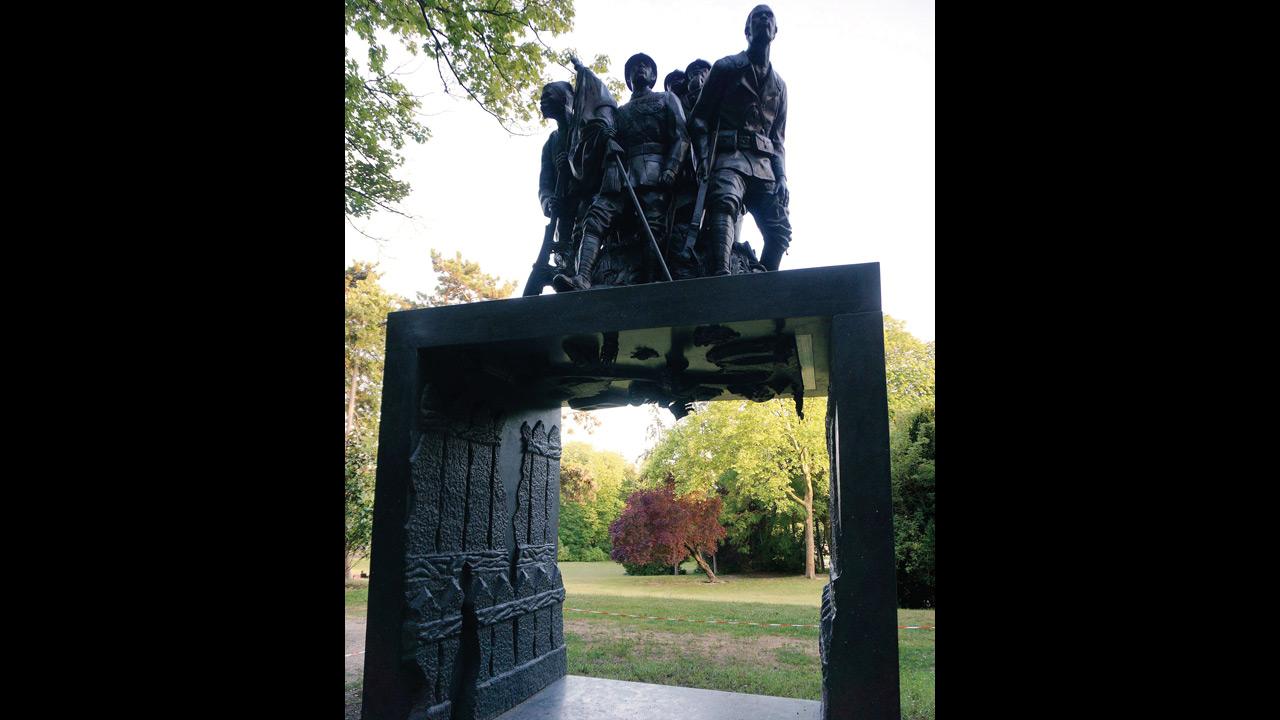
(592, 487)
(367, 305)
(754, 457)
(763, 460)
(908, 364)
(659, 526)
(912, 462)
(493, 52)
(462, 281)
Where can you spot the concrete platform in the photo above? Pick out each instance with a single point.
(575, 697)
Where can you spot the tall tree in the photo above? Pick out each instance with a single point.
(909, 368)
(492, 52)
(659, 526)
(591, 498)
(762, 455)
(367, 305)
(361, 464)
(462, 281)
(913, 502)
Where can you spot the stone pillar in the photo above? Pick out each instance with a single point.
(461, 568)
(388, 682)
(858, 640)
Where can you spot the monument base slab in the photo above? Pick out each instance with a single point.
(588, 698)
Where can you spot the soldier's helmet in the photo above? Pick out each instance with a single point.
(635, 60)
(674, 82)
(697, 65)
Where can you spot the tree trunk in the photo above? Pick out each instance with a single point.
(808, 525)
(713, 563)
(817, 532)
(807, 502)
(351, 403)
(347, 573)
(711, 574)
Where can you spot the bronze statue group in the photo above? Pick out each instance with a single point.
(656, 188)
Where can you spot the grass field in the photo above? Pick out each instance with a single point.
(738, 658)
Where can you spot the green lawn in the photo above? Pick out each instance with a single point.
(608, 578)
(737, 658)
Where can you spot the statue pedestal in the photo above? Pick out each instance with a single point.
(588, 698)
(465, 598)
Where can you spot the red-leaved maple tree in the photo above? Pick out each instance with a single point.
(656, 526)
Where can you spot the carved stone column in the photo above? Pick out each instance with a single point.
(481, 625)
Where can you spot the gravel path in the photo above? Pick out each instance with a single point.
(355, 644)
(355, 664)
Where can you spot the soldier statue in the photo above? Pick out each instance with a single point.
(649, 133)
(674, 83)
(683, 258)
(563, 198)
(695, 77)
(742, 113)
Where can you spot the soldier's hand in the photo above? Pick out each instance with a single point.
(784, 195)
(562, 159)
(608, 132)
(702, 171)
(577, 64)
(667, 178)
(549, 206)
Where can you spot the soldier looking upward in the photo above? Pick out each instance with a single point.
(743, 111)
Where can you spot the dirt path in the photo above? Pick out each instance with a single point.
(355, 644)
(355, 663)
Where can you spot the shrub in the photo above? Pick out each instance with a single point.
(593, 554)
(649, 569)
(657, 527)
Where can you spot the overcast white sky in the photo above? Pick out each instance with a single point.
(860, 152)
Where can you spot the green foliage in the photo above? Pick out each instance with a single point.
(655, 568)
(912, 452)
(908, 364)
(749, 454)
(361, 463)
(490, 51)
(591, 498)
(746, 452)
(367, 305)
(462, 281)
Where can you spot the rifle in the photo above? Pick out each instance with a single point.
(541, 275)
(643, 222)
(695, 227)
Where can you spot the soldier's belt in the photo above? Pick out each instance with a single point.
(730, 140)
(646, 149)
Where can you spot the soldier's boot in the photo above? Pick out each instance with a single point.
(772, 256)
(720, 238)
(586, 265)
